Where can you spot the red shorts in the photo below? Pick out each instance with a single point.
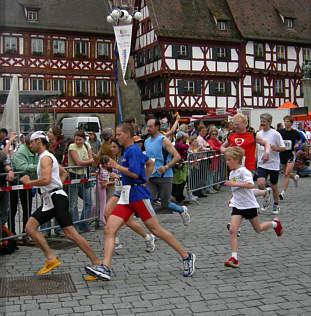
(142, 208)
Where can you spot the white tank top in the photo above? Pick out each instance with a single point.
(55, 179)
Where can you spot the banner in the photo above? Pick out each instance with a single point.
(123, 34)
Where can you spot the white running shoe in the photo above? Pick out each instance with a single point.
(150, 245)
(267, 198)
(275, 209)
(282, 195)
(296, 179)
(185, 216)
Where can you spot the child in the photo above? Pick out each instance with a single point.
(243, 202)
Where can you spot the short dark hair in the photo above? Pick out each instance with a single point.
(156, 121)
(130, 120)
(127, 128)
(80, 134)
(4, 130)
(288, 117)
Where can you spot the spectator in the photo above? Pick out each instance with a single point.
(192, 130)
(80, 154)
(94, 142)
(223, 131)
(302, 163)
(56, 139)
(279, 127)
(105, 148)
(26, 162)
(201, 138)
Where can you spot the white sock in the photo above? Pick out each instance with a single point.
(283, 192)
(148, 237)
(274, 224)
(235, 255)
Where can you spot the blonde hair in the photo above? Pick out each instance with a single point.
(236, 153)
(192, 139)
(240, 116)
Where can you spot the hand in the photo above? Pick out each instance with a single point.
(228, 202)
(25, 180)
(10, 176)
(265, 157)
(229, 183)
(112, 164)
(162, 169)
(273, 147)
(113, 176)
(12, 136)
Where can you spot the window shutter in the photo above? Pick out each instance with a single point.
(158, 48)
(228, 87)
(189, 51)
(211, 88)
(198, 87)
(151, 53)
(214, 53)
(228, 53)
(144, 59)
(181, 86)
(175, 51)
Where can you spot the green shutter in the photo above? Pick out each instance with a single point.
(189, 51)
(211, 85)
(214, 53)
(228, 87)
(175, 50)
(228, 53)
(181, 86)
(198, 87)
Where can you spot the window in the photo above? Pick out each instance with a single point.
(222, 25)
(59, 85)
(259, 50)
(81, 49)
(289, 23)
(220, 88)
(37, 84)
(7, 83)
(10, 45)
(307, 54)
(189, 87)
(58, 48)
(280, 53)
(279, 87)
(143, 28)
(257, 87)
(103, 88)
(221, 53)
(32, 15)
(149, 26)
(103, 51)
(80, 88)
(181, 51)
(37, 47)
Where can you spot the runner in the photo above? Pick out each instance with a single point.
(243, 202)
(55, 203)
(270, 167)
(135, 197)
(292, 140)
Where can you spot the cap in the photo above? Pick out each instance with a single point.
(137, 139)
(107, 133)
(180, 134)
(39, 134)
(191, 124)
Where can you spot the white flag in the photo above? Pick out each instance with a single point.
(123, 34)
(10, 115)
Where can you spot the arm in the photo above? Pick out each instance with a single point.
(261, 141)
(10, 175)
(46, 171)
(224, 146)
(246, 185)
(149, 168)
(62, 173)
(173, 129)
(113, 164)
(173, 152)
(299, 140)
(6, 149)
(77, 161)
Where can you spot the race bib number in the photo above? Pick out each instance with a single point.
(288, 144)
(125, 195)
(117, 185)
(47, 202)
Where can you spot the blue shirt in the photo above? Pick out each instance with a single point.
(135, 160)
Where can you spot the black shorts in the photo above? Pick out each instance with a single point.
(288, 157)
(264, 173)
(60, 212)
(248, 213)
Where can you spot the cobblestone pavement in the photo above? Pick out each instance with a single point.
(274, 278)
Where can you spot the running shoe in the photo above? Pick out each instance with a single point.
(232, 263)
(238, 234)
(282, 195)
(296, 179)
(267, 198)
(185, 216)
(189, 265)
(275, 209)
(150, 245)
(48, 266)
(278, 229)
(101, 272)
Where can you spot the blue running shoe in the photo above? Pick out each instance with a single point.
(189, 265)
(101, 272)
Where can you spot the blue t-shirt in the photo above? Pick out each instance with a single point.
(135, 160)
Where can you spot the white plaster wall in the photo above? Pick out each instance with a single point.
(183, 64)
(197, 52)
(162, 102)
(250, 61)
(145, 105)
(154, 103)
(197, 65)
(260, 64)
(211, 65)
(210, 101)
(222, 66)
(291, 52)
(291, 66)
(171, 63)
(248, 80)
(234, 55)
(233, 67)
(21, 45)
(231, 102)
(168, 51)
(250, 47)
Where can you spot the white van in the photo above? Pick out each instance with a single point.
(80, 123)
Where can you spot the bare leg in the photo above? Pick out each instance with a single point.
(32, 231)
(110, 205)
(259, 227)
(235, 224)
(136, 227)
(258, 192)
(113, 225)
(288, 168)
(153, 225)
(73, 235)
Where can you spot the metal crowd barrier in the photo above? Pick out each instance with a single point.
(23, 200)
(205, 169)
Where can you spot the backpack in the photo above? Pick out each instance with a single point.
(9, 245)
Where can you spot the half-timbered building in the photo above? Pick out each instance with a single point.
(64, 46)
(215, 56)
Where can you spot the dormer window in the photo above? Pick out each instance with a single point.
(222, 25)
(289, 22)
(32, 15)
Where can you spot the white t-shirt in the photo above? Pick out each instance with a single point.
(242, 198)
(274, 138)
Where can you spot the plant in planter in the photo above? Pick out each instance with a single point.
(81, 94)
(11, 51)
(58, 55)
(38, 54)
(103, 57)
(80, 55)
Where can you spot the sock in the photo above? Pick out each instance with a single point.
(148, 237)
(274, 224)
(283, 192)
(235, 255)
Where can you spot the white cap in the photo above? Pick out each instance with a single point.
(38, 134)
